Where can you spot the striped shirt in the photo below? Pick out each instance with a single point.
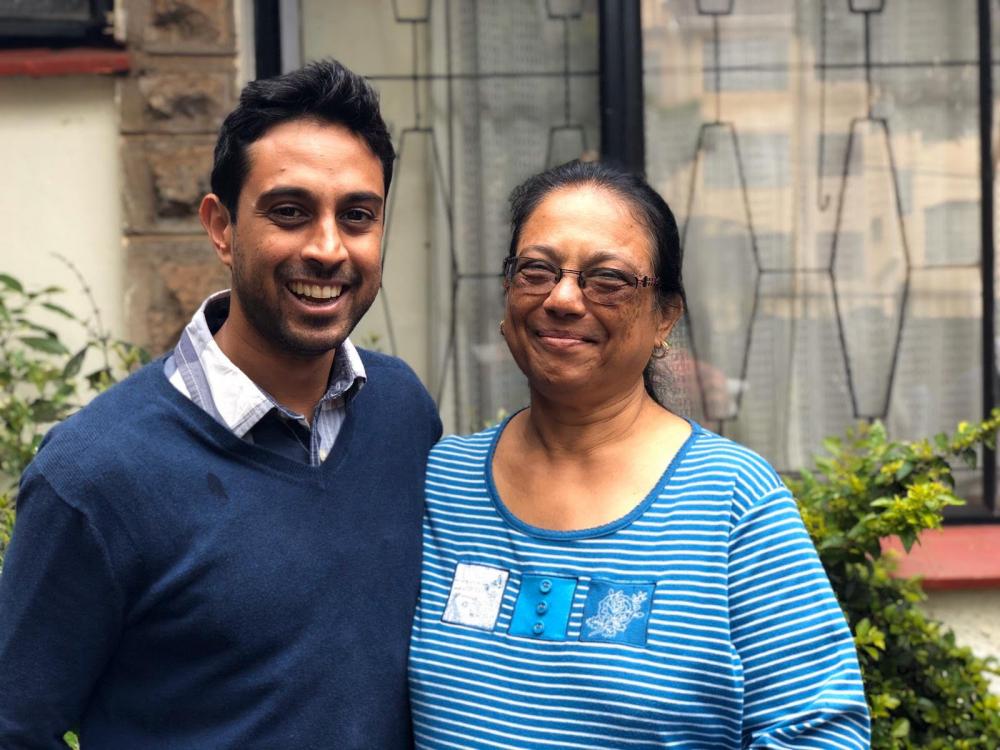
(701, 619)
(199, 369)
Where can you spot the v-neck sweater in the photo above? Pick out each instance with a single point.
(169, 585)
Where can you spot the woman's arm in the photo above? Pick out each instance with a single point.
(802, 682)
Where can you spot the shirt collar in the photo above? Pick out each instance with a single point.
(226, 392)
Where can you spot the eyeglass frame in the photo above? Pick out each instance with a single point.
(636, 283)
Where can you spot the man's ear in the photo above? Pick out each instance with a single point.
(215, 218)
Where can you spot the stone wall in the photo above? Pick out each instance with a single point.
(182, 83)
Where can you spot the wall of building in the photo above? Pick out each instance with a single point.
(61, 192)
(181, 85)
(975, 618)
(108, 171)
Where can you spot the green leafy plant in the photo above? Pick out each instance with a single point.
(924, 690)
(41, 381)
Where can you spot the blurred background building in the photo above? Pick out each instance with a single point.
(830, 163)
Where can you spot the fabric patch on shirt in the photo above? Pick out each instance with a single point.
(617, 612)
(476, 593)
(542, 607)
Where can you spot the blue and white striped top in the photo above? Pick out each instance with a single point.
(702, 619)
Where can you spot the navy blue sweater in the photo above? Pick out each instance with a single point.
(170, 586)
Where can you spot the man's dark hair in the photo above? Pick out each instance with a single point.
(324, 90)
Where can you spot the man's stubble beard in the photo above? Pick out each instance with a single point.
(272, 326)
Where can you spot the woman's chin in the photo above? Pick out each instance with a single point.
(562, 385)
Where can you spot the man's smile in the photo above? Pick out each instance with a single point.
(313, 292)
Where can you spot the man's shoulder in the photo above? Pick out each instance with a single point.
(117, 415)
(385, 372)
(374, 360)
(393, 387)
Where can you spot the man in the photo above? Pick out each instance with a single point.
(223, 550)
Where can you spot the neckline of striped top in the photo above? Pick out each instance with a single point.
(604, 529)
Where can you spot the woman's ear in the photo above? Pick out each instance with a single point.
(670, 313)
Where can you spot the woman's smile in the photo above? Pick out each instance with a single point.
(559, 340)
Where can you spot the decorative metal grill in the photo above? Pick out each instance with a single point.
(478, 96)
(834, 282)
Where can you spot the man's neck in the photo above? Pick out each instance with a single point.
(295, 382)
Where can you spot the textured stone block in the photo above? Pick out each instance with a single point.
(182, 26)
(177, 95)
(166, 178)
(167, 279)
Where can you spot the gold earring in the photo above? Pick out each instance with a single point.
(501, 330)
(661, 349)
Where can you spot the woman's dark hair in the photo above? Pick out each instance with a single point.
(324, 90)
(646, 204)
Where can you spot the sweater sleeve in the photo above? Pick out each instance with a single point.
(801, 677)
(60, 615)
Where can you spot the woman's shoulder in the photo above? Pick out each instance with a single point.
(713, 452)
(475, 445)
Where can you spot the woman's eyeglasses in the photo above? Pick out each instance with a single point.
(605, 286)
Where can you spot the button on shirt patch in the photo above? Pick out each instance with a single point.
(617, 612)
(543, 607)
(476, 593)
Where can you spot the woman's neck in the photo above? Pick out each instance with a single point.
(577, 430)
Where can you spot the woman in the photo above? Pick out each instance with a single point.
(599, 572)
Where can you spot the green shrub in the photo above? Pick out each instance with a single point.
(924, 691)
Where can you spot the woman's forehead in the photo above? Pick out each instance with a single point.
(586, 218)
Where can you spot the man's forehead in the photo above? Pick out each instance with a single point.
(307, 146)
(302, 131)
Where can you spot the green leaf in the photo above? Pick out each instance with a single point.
(900, 728)
(49, 333)
(11, 283)
(97, 378)
(47, 344)
(72, 368)
(832, 446)
(60, 310)
(43, 410)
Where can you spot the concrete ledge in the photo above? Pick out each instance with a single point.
(38, 62)
(955, 557)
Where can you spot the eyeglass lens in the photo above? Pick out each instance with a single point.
(606, 286)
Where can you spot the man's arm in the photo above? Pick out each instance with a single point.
(60, 617)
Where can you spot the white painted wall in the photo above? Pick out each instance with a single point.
(61, 191)
(975, 618)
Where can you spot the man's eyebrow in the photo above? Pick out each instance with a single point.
(284, 191)
(290, 191)
(363, 196)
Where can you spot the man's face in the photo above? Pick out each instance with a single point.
(305, 248)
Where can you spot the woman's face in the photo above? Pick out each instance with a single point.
(565, 343)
